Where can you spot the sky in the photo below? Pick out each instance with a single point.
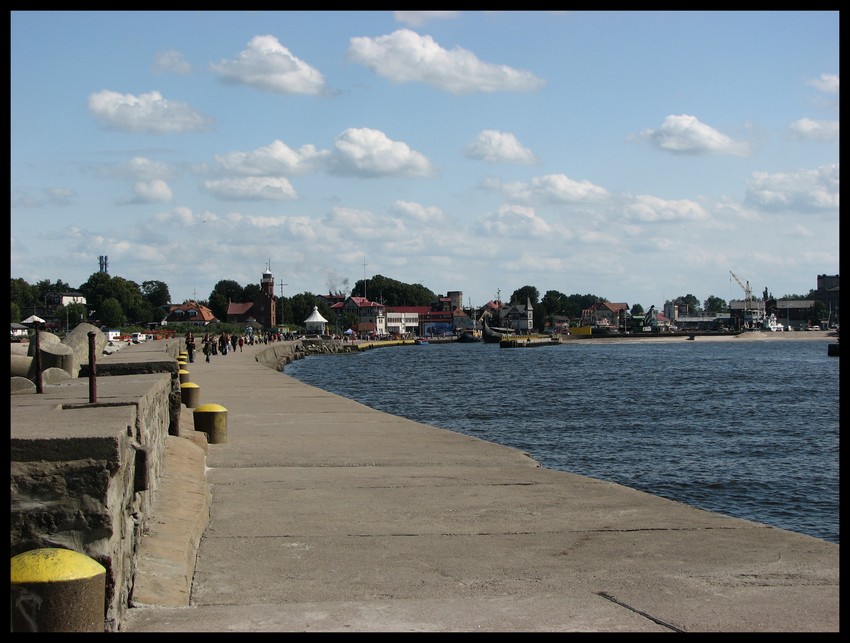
(635, 156)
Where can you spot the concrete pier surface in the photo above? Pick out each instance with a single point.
(328, 516)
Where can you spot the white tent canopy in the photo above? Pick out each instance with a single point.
(315, 322)
(32, 319)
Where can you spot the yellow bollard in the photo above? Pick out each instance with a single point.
(184, 375)
(212, 420)
(57, 590)
(190, 394)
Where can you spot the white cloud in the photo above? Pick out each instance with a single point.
(806, 128)
(428, 215)
(156, 191)
(826, 83)
(370, 152)
(252, 188)
(493, 146)
(800, 191)
(53, 197)
(172, 61)
(268, 65)
(553, 188)
(148, 112)
(652, 209)
(138, 168)
(274, 159)
(515, 222)
(418, 18)
(684, 134)
(181, 216)
(59, 196)
(405, 56)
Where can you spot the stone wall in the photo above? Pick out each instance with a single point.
(83, 474)
(278, 354)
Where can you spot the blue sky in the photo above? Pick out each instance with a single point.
(636, 156)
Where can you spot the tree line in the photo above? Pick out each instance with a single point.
(118, 303)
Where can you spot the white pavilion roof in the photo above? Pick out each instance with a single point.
(315, 317)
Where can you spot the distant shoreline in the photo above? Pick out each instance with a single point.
(746, 336)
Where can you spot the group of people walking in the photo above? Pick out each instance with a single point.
(214, 345)
(222, 344)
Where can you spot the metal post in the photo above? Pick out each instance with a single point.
(92, 369)
(39, 384)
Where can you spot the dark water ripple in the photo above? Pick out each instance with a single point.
(748, 429)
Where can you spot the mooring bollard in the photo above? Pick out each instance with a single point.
(184, 375)
(190, 394)
(57, 590)
(212, 420)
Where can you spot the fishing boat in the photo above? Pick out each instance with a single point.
(468, 337)
(420, 341)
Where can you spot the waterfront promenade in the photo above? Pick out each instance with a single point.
(328, 516)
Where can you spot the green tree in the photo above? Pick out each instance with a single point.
(301, 307)
(111, 313)
(98, 289)
(524, 294)
(577, 303)
(818, 313)
(156, 293)
(715, 305)
(251, 292)
(16, 312)
(222, 294)
(692, 303)
(394, 293)
(553, 303)
(22, 294)
(71, 316)
(129, 295)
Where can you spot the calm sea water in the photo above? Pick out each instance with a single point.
(748, 429)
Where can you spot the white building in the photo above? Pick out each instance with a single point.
(402, 322)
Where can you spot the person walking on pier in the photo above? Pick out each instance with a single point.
(190, 346)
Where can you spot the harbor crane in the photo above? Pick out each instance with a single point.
(748, 294)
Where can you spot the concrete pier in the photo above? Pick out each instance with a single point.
(328, 516)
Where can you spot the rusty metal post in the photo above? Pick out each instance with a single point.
(92, 369)
(39, 382)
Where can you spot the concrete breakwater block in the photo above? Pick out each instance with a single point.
(21, 365)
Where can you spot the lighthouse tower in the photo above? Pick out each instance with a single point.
(264, 307)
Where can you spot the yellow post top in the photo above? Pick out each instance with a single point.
(210, 408)
(53, 565)
(189, 385)
(182, 371)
